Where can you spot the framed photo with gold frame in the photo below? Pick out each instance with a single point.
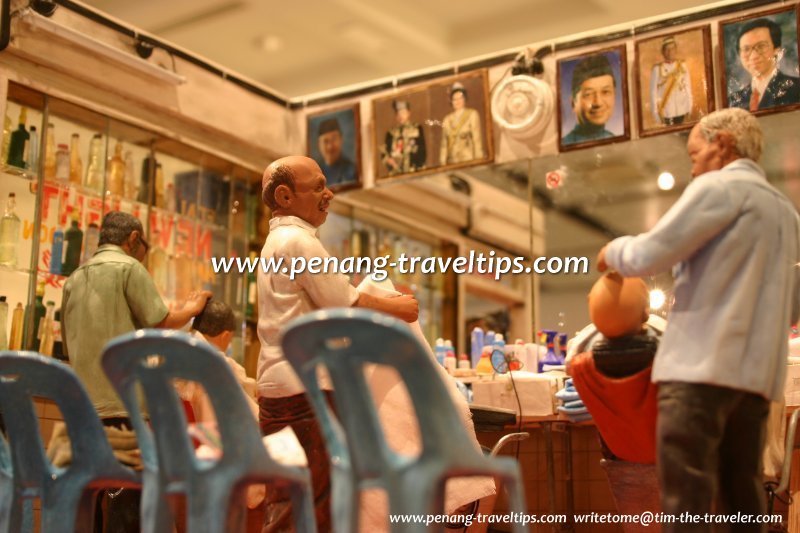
(593, 99)
(674, 80)
(759, 61)
(440, 125)
(334, 142)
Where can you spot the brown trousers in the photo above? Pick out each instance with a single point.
(296, 412)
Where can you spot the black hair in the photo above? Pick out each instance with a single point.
(774, 30)
(215, 318)
(591, 67)
(328, 125)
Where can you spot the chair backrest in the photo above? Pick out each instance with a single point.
(154, 358)
(344, 341)
(25, 375)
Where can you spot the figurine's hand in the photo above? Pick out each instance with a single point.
(602, 266)
(196, 302)
(406, 307)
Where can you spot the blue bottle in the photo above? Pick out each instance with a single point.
(57, 253)
(550, 357)
(488, 339)
(440, 351)
(476, 346)
(562, 348)
(499, 354)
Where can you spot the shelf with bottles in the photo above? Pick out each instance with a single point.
(193, 205)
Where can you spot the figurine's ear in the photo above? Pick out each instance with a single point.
(283, 196)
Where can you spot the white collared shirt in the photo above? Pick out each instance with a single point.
(280, 299)
(760, 84)
(735, 240)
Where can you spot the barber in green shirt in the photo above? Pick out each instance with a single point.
(113, 294)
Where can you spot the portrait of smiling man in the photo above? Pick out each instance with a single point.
(593, 100)
(760, 47)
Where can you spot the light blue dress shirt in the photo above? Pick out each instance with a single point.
(734, 241)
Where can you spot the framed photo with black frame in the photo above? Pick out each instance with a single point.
(593, 99)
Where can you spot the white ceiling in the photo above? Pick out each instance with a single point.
(319, 45)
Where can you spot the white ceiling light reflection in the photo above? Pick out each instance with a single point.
(666, 181)
(657, 299)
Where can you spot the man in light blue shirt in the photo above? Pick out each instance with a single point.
(734, 243)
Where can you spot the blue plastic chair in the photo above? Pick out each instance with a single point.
(67, 494)
(153, 359)
(344, 340)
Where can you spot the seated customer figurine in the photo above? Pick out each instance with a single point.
(215, 325)
(613, 377)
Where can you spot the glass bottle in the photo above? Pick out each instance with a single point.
(9, 233)
(46, 329)
(550, 358)
(18, 144)
(90, 242)
(3, 322)
(62, 164)
(116, 172)
(15, 339)
(130, 177)
(75, 163)
(146, 194)
(94, 172)
(58, 341)
(169, 198)
(33, 153)
(159, 187)
(34, 315)
(57, 253)
(252, 294)
(7, 126)
(50, 154)
(74, 238)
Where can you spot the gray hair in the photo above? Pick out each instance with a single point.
(272, 179)
(741, 125)
(117, 227)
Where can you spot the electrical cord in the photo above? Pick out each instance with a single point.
(505, 367)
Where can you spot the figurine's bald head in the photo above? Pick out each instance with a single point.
(296, 186)
(618, 306)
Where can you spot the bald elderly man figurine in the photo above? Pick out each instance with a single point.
(295, 190)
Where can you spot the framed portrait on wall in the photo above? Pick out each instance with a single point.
(334, 142)
(759, 59)
(437, 126)
(593, 99)
(674, 80)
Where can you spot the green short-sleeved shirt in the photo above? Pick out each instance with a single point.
(110, 295)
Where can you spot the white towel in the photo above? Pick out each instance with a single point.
(402, 432)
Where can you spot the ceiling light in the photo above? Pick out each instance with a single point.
(666, 181)
(270, 43)
(657, 299)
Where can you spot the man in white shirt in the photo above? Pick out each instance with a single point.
(760, 52)
(295, 189)
(670, 87)
(735, 243)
